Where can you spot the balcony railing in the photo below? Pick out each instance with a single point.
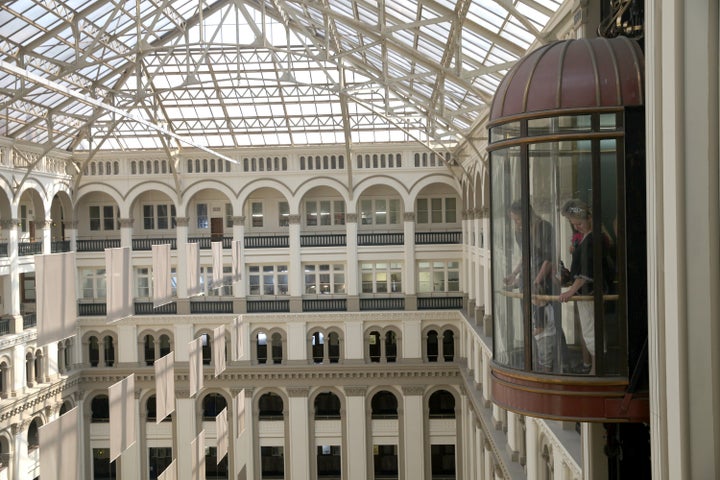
(331, 240)
(97, 245)
(29, 248)
(382, 303)
(147, 243)
(29, 320)
(205, 243)
(212, 306)
(92, 309)
(439, 303)
(60, 246)
(437, 238)
(368, 239)
(324, 305)
(146, 308)
(268, 306)
(267, 241)
(5, 323)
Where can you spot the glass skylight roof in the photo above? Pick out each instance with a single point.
(83, 75)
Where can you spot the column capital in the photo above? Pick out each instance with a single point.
(355, 390)
(9, 224)
(182, 221)
(126, 222)
(294, 219)
(351, 218)
(298, 391)
(239, 220)
(44, 223)
(413, 389)
(409, 216)
(182, 394)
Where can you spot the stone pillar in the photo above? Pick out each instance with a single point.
(356, 444)
(181, 236)
(295, 273)
(413, 432)
(239, 288)
(131, 459)
(298, 434)
(297, 343)
(12, 286)
(21, 459)
(409, 258)
(513, 442)
(46, 227)
(71, 230)
(532, 458)
(185, 432)
(242, 446)
(351, 277)
(126, 232)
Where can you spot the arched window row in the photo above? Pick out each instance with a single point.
(325, 346)
(382, 345)
(35, 368)
(102, 168)
(207, 341)
(65, 355)
(382, 160)
(322, 162)
(268, 347)
(264, 164)
(101, 350)
(439, 345)
(155, 345)
(208, 165)
(144, 167)
(432, 159)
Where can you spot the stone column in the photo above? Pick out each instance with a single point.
(298, 434)
(71, 230)
(21, 459)
(185, 432)
(126, 232)
(239, 288)
(594, 460)
(295, 274)
(46, 228)
(181, 236)
(413, 432)
(131, 459)
(351, 274)
(12, 287)
(243, 447)
(409, 269)
(355, 451)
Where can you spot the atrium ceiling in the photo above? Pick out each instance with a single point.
(92, 75)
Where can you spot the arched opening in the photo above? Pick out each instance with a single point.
(431, 346)
(100, 409)
(212, 405)
(384, 405)
(270, 407)
(34, 434)
(327, 406)
(441, 405)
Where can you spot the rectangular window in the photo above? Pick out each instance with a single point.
(339, 212)
(163, 221)
(23, 218)
(94, 218)
(325, 214)
(202, 216)
(268, 280)
(108, 217)
(311, 213)
(422, 211)
(284, 214)
(380, 212)
(158, 460)
(143, 287)
(149, 217)
(324, 278)
(381, 277)
(92, 283)
(450, 210)
(257, 214)
(228, 215)
(394, 212)
(438, 276)
(366, 212)
(103, 468)
(436, 210)
(206, 282)
(436, 213)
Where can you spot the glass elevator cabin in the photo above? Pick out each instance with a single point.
(567, 176)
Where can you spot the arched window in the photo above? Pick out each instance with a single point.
(163, 166)
(261, 345)
(189, 166)
(384, 405)
(391, 346)
(108, 168)
(93, 351)
(151, 410)
(318, 347)
(34, 434)
(65, 407)
(100, 407)
(68, 354)
(133, 167)
(448, 346)
(4, 453)
(29, 369)
(149, 350)
(38, 366)
(165, 346)
(270, 407)
(431, 346)
(212, 405)
(4, 379)
(109, 348)
(333, 345)
(206, 349)
(141, 167)
(277, 348)
(156, 166)
(374, 347)
(327, 406)
(116, 168)
(441, 405)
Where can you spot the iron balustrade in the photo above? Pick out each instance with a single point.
(147, 243)
(267, 241)
(392, 303)
(97, 245)
(370, 239)
(29, 248)
(438, 238)
(5, 325)
(439, 303)
(59, 246)
(324, 305)
(92, 309)
(212, 306)
(147, 308)
(29, 320)
(205, 243)
(330, 240)
(268, 306)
